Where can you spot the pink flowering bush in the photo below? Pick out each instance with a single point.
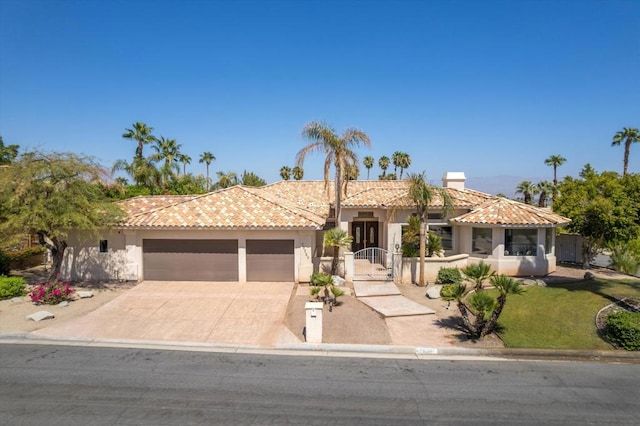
(51, 293)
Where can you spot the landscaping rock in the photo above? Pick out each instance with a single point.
(541, 283)
(63, 304)
(434, 292)
(84, 294)
(338, 281)
(589, 276)
(527, 281)
(40, 315)
(17, 300)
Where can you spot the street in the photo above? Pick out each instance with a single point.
(59, 385)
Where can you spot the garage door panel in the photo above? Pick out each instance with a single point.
(190, 260)
(270, 260)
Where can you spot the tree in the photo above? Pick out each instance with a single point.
(252, 179)
(167, 150)
(405, 162)
(603, 208)
(8, 153)
(544, 188)
(207, 158)
(285, 172)
(298, 173)
(383, 163)
(351, 172)
(528, 189)
(338, 239)
(50, 194)
(143, 172)
(396, 159)
(506, 286)
(368, 163)
(184, 159)
(477, 273)
(627, 135)
(422, 194)
(226, 180)
(142, 134)
(555, 161)
(338, 150)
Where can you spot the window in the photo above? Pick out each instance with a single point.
(548, 240)
(481, 241)
(444, 232)
(520, 242)
(104, 246)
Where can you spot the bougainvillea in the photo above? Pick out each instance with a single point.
(51, 293)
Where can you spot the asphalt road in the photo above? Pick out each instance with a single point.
(58, 385)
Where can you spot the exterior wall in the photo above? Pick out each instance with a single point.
(411, 266)
(83, 261)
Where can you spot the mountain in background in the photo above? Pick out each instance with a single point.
(505, 184)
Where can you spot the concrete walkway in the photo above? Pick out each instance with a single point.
(198, 312)
(385, 298)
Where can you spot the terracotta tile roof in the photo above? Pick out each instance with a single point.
(502, 211)
(231, 208)
(146, 203)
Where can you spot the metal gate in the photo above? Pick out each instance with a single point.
(373, 263)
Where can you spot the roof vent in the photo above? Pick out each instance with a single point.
(453, 180)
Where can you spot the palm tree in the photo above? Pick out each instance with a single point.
(352, 172)
(141, 133)
(527, 189)
(555, 161)
(169, 151)
(184, 159)
(422, 194)
(142, 170)
(338, 150)
(285, 172)
(338, 239)
(298, 173)
(396, 159)
(368, 163)
(383, 163)
(405, 162)
(505, 286)
(226, 180)
(478, 273)
(544, 188)
(207, 158)
(629, 136)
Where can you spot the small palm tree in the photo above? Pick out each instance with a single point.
(478, 273)
(338, 239)
(298, 173)
(383, 163)
(627, 135)
(505, 286)
(142, 134)
(207, 158)
(368, 163)
(527, 189)
(285, 172)
(184, 159)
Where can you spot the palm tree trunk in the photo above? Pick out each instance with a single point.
(335, 260)
(338, 184)
(464, 313)
(208, 185)
(423, 227)
(627, 146)
(493, 320)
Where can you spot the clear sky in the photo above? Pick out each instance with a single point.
(484, 87)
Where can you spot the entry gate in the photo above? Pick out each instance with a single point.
(373, 263)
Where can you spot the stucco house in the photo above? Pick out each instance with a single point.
(275, 233)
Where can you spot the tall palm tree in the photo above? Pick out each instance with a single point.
(167, 150)
(142, 170)
(383, 163)
(527, 189)
(421, 193)
(338, 150)
(405, 162)
(555, 161)
(142, 134)
(544, 188)
(285, 172)
(207, 158)
(368, 163)
(337, 239)
(226, 180)
(396, 159)
(184, 159)
(629, 136)
(298, 173)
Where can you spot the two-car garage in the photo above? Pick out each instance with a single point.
(218, 260)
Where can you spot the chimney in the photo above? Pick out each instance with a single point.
(453, 180)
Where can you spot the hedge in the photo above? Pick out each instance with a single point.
(11, 287)
(623, 328)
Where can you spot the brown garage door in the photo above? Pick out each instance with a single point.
(270, 260)
(190, 260)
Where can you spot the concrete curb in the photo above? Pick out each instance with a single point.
(339, 350)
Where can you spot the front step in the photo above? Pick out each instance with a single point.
(375, 288)
(385, 298)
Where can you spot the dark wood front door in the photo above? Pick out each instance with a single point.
(365, 235)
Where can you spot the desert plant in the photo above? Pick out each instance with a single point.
(11, 287)
(51, 293)
(320, 279)
(434, 244)
(477, 273)
(623, 328)
(338, 239)
(337, 292)
(624, 259)
(449, 276)
(5, 263)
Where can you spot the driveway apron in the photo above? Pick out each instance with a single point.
(201, 312)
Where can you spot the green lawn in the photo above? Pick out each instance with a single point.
(561, 315)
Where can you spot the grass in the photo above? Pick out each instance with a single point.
(561, 316)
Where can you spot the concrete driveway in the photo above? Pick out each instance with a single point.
(202, 312)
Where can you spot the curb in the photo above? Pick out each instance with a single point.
(341, 350)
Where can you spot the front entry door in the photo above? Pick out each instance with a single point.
(365, 235)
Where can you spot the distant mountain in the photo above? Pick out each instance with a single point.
(505, 184)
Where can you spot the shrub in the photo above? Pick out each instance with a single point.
(5, 263)
(434, 244)
(11, 287)
(51, 293)
(623, 328)
(26, 258)
(321, 279)
(625, 259)
(451, 291)
(449, 276)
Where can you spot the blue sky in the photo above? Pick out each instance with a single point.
(489, 88)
